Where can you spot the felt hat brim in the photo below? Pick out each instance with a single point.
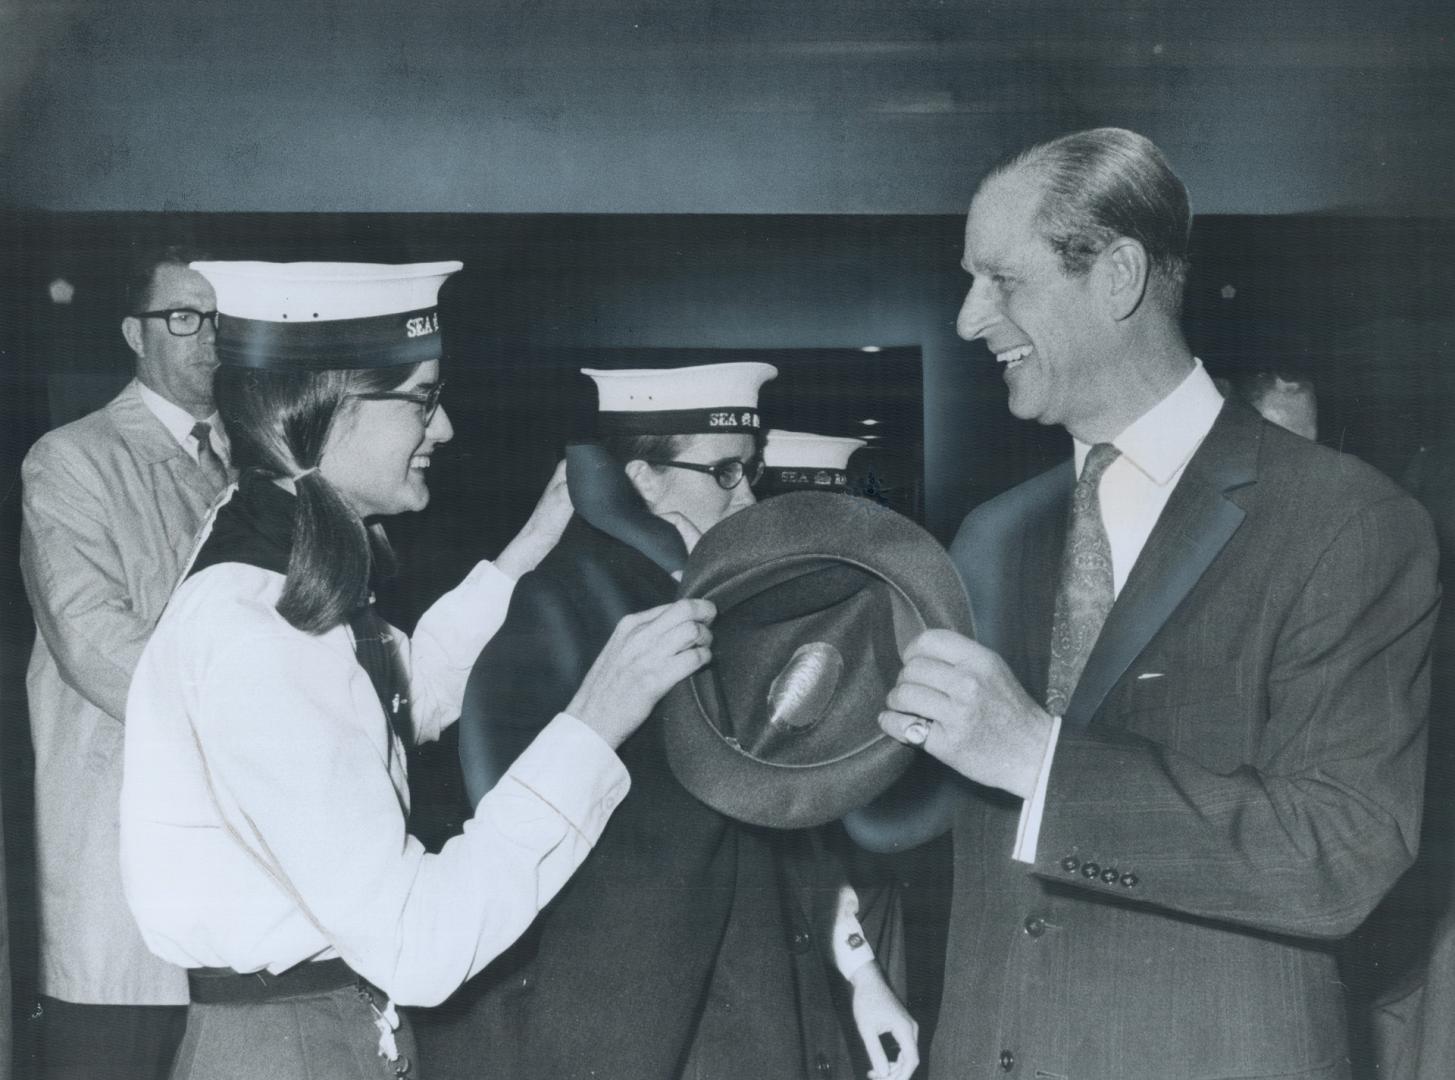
(817, 596)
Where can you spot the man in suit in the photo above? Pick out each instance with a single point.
(1190, 738)
(111, 503)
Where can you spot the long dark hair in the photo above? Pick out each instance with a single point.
(277, 423)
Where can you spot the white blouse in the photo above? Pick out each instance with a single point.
(263, 812)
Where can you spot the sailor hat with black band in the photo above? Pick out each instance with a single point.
(705, 399)
(801, 461)
(319, 316)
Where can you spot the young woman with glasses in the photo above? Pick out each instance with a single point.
(263, 825)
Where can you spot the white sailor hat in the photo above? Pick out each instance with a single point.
(801, 461)
(702, 399)
(317, 316)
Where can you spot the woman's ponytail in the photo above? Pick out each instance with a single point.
(278, 424)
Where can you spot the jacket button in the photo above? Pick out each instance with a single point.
(1110, 875)
(1070, 864)
(1129, 880)
(1035, 926)
(1007, 1060)
(821, 1064)
(801, 940)
(1090, 870)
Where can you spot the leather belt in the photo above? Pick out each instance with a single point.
(223, 986)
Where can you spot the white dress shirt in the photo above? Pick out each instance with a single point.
(180, 423)
(1155, 449)
(264, 796)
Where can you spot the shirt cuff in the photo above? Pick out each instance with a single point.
(1028, 831)
(851, 947)
(572, 769)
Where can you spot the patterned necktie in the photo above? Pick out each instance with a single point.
(212, 466)
(1086, 590)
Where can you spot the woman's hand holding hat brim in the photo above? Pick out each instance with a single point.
(647, 654)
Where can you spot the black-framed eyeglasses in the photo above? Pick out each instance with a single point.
(181, 321)
(427, 400)
(728, 474)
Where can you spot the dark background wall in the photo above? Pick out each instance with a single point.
(708, 106)
(730, 174)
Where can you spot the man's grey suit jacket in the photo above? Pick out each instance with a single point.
(1237, 783)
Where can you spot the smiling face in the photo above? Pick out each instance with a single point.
(695, 495)
(1043, 325)
(377, 451)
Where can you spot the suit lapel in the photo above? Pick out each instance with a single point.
(1197, 522)
(149, 440)
(146, 437)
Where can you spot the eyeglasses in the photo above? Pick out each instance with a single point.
(181, 321)
(728, 474)
(427, 400)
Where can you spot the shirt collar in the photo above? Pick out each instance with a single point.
(1161, 440)
(174, 418)
(254, 525)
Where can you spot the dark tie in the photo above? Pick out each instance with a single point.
(1086, 589)
(212, 466)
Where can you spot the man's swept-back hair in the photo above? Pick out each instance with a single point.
(277, 423)
(1106, 183)
(141, 271)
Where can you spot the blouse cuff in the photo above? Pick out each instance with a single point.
(572, 769)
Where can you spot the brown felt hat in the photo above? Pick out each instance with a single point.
(817, 595)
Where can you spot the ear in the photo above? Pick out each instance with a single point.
(1124, 269)
(647, 481)
(131, 331)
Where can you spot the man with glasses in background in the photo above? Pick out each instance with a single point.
(111, 504)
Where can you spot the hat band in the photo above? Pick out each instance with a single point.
(407, 337)
(807, 479)
(713, 421)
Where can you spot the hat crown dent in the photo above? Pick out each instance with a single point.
(800, 695)
(323, 291)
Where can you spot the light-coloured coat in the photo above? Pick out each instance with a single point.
(111, 503)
